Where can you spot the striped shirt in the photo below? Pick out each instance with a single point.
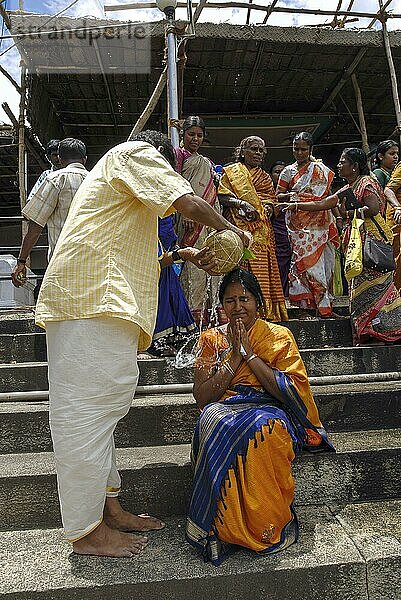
(50, 204)
(105, 263)
(39, 182)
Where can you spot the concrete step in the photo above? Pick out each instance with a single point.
(21, 347)
(351, 552)
(323, 362)
(367, 466)
(18, 321)
(170, 419)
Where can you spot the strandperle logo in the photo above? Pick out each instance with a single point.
(84, 46)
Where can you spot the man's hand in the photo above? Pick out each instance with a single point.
(204, 259)
(18, 276)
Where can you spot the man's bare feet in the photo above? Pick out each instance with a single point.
(104, 541)
(118, 518)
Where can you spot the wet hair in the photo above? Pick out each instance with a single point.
(356, 156)
(193, 121)
(382, 148)
(157, 139)
(52, 147)
(71, 149)
(304, 136)
(243, 144)
(248, 281)
(276, 164)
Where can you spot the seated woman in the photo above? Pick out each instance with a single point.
(258, 412)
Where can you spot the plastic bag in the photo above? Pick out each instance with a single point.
(353, 256)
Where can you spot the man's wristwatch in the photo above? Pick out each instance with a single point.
(22, 261)
(175, 255)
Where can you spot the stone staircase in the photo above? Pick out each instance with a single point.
(348, 503)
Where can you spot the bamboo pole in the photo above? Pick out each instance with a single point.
(151, 105)
(393, 76)
(30, 147)
(269, 11)
(361, 115)
(373, 21)
(259, 7)
(160, 85)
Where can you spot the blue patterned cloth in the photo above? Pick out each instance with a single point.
(222, 433)
(173, 313)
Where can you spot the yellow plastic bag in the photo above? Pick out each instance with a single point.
(337, 279)
(353, 256)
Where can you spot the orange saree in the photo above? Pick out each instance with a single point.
(244, 445)
(256, 187)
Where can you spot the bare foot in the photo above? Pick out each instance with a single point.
(118, 518)
(104, 541)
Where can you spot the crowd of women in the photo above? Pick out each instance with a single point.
(250, 383)
(301, 231)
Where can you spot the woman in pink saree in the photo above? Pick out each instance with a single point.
(198, 170)
(313, 236)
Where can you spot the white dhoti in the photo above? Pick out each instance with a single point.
(93, 374)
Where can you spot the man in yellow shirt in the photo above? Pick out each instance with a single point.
(98, 303)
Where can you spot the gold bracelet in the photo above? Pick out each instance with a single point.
(251, 358)
(228, 368)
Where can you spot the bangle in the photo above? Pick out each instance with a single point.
(175, 256)
(21, 260)
(341, 219)
(228, 368)
(251, 358)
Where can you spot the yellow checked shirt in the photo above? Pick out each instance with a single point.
(105, 262)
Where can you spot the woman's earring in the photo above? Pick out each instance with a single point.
(354, 170)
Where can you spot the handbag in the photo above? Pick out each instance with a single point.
(378, 254)
(353, 256)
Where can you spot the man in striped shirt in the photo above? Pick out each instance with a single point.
(52, 156)
(50, 204)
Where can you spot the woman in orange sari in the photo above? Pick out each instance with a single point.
(313, 236)
(258, 412)
(248, 198)
(375, 300)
